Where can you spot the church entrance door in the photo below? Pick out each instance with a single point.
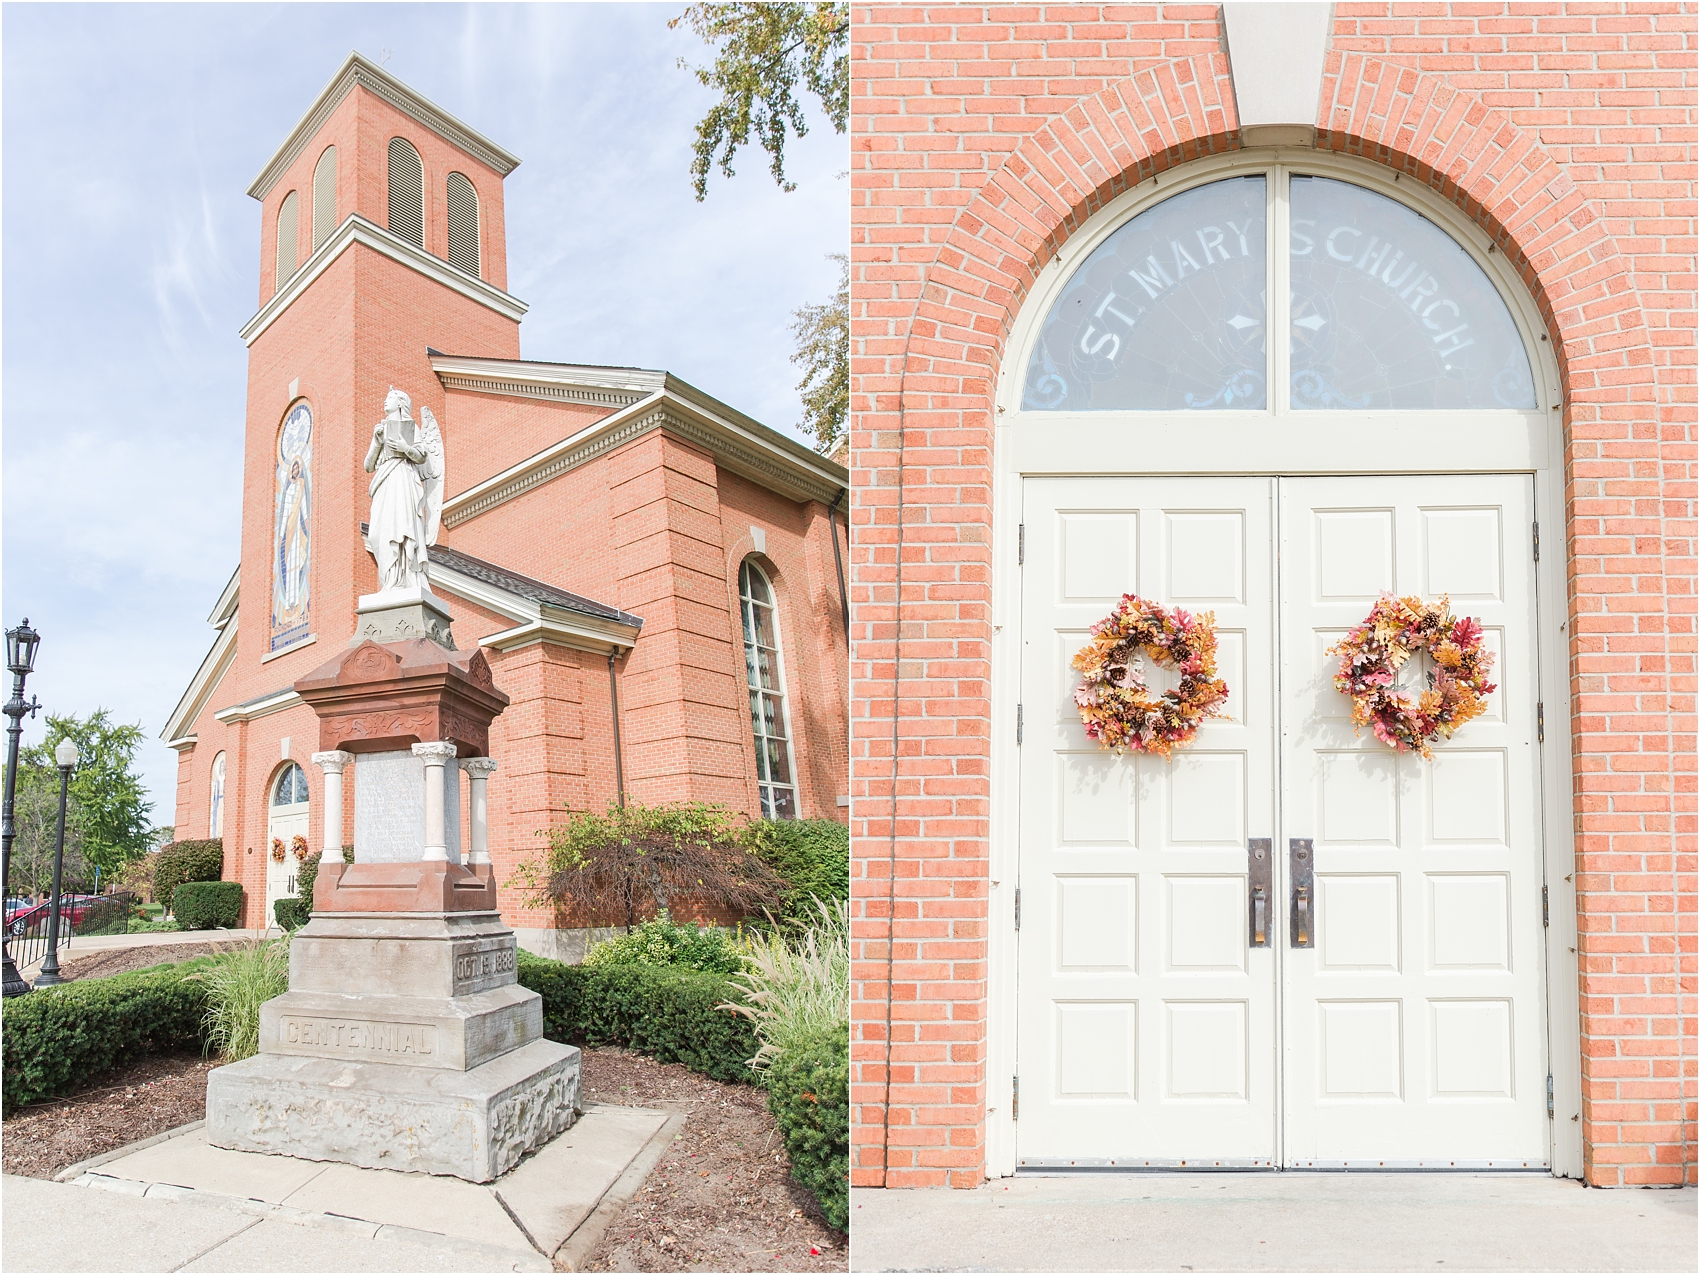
(288, 820)
(1408, 1029)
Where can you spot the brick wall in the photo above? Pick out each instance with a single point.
(982, 137)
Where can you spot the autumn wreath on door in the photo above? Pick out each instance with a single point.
(1372, 654)
(1117, 708)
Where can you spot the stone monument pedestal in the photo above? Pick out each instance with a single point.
(404, 1040)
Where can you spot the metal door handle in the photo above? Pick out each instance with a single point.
(1258, 867)
(1300, 865)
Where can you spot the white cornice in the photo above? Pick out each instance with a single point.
(357, 230)
(534, 621)
(224, 610)
(213, 667)
(373, 78)
(182, 742)
(264, 707)
(736, 442)
(612, 387)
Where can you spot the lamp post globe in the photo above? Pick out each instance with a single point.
(66, 757)
(21, 645)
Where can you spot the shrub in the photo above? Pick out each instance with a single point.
(208, 905)
(237, 984)
(812, 857)
(157, 925)
(185, 861)
(291, 914)
(662, 944)
(57, 1038)
(808, 1091)
(796, 984)
(674, 1015)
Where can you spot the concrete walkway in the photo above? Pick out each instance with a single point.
(176, 1203)
(1275, 1222)
(107, 942)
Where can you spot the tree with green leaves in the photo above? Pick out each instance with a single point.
(109, 814)
(823, 348)
(761, 52)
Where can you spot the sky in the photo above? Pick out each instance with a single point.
(131, 255)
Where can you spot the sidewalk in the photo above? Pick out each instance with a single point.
(177, 1203)
(106, 942)
(1275, 1222)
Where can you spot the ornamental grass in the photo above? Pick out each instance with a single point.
(237, 985)
(796, 981)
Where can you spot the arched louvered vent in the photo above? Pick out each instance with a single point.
(324, 197)
(463, 224)
(288, 227)
(407, 192)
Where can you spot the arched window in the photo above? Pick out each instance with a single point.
(292, 530)
(766, 676)
(288, 237)
(463, 223)
(324, 197)
(290, 787)
(215, 807)
(407, 192)
(1375, 307)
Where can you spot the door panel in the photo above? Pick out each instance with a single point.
(1413, 1028)
(1146, 1023)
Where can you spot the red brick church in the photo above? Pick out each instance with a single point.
(653, 576)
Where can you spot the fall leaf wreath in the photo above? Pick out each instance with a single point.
(277, 850)
(298, 848)
(1115, 705)
(1371, 656)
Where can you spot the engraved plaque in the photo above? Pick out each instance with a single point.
(356, 1036)
(389, 808)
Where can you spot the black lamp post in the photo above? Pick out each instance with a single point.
(66, 756)
(21, 644)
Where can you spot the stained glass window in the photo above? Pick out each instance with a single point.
(1166, 313)
(291, 786)
(1389, 312)
(292, 536)
(215, 812)
(767, 694)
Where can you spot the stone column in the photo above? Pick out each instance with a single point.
(436, 755)
(332, 764)
(479, 769)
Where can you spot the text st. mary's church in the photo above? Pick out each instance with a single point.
(651, 576)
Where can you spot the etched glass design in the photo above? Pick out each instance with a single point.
(767, 695)
(1167, 313)
(292, 536)
(1389, 312)
(215, 804)
(291, 786)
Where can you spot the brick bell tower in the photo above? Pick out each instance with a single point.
(382, 236)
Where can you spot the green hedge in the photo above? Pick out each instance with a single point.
(670, 1014)
(208, 905)
(57, 1038)
(813, 855)
(291, 914)
(808, 1091)
(185, 861)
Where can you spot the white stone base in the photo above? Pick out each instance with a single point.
(466, 1124)
(399, 615)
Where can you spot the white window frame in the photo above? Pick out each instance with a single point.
(1277, 440)
(215, 797)
(784, 688)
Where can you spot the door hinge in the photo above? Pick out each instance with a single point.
(1546, 918)
(1018, 907)
(1536, 526)
(1549, 1095)
(1021, 545)
(1015, 1098)
(1018, 723)
(1540, 722)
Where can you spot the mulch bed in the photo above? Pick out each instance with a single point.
(121, 960)
(721, 1198)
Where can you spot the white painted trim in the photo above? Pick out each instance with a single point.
(185, 741)
(1281, 441)
(269, 656)
(224, 610)
(535, 621)
(214, 665)
(615, 386)
(373, 78)
(737, 443)
(355, 229)
(274, 703)
(1276, 54)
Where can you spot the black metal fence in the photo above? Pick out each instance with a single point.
(80, 915)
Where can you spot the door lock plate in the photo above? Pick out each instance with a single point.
(1260, 852)
(1301, 920)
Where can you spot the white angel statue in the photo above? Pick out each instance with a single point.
(406, 464)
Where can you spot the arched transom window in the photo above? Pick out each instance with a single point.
(1370, 306)
(774, 776)
(290, 786)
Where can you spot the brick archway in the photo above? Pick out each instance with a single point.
(929, 328)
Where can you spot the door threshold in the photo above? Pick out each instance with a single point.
(1079, 1167)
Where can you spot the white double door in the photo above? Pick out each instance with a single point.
(1409, 1030)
